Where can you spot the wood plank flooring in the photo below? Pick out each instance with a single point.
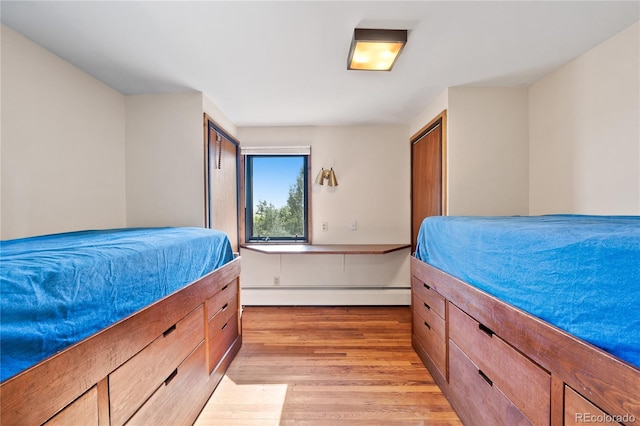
(327, 366)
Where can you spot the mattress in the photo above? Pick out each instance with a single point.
(59, 289)
(579, 273)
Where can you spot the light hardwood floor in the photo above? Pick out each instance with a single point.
(327, 366)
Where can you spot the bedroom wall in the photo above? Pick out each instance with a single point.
(62, 142)
(585, 132)
(165, 160)
(487, 149)
(371, 164)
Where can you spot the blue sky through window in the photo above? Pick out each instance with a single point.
(272, 178)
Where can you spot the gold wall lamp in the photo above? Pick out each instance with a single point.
(330, 175)
(375, 50)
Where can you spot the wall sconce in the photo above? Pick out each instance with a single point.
(375, 50)
(329, 175)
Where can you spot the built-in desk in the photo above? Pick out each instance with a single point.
(325, 274)
(325, 248)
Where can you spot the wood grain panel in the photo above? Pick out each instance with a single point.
(523, 382)
(429, 298)
(478, 401)
(578, 411)
(132, 383)
(217, 301)
(83, 411)
(429, 330)
(426, 176)
(176, 402)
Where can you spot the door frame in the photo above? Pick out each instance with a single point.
(438, 120)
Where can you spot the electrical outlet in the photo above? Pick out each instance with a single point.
(276, 280)
(325, 226)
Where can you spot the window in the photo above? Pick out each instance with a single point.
(277, 196)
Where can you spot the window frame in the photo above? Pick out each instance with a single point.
(247, 196)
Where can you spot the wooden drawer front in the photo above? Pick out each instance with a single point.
(578, 411)
(180, 398)
(429, 296)
(221, 338)
(522, 381)
(476, 400)
(223, 315)
(429, 330)
(81, 412)
(217, 301)
(132, 383)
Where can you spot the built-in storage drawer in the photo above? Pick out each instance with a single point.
(430, 299)
(429, 332)
(179, 398)
(223, 330)
(477, 399)
(526, 384)
(218, 301)
(132, 383)
(578, 411)
(82, 411)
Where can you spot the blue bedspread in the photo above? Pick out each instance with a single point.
(579, 273)
(58, 289)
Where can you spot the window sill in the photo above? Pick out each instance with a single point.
(325, 248)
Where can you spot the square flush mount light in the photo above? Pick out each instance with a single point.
(375, 50)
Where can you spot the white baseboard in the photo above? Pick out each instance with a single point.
(325, 296)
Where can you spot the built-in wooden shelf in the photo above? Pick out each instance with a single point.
(325, 248)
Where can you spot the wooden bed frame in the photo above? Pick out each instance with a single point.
(157, 366)
(497, 364)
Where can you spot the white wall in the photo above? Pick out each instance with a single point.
(372, 168)
(487, 151)
(63, 145)
(585, 132)
(165, 160)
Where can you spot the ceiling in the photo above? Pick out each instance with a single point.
(284, 63)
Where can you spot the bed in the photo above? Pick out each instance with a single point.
(113, 326)
(541, 312)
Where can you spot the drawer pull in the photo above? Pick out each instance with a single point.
(169, 330)
(427, 306)
(484, 376)
(171, 376)
(486, 330)
(224, 288)
(426, 286)
(427, 325)
(226, 305)
(224, 326)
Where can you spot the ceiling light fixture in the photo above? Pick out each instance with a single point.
(375, 50)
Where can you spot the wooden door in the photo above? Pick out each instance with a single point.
(222, 182)
(427, 173)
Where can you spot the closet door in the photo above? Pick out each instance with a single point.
(427, 174)
(222, 182)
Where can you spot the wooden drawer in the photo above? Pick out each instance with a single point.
(429, 296)
(179, 399)
(218, 300)
(429, 330)
(578, 411)
(133, 382)
(522, 381)
(479, 400)
(221, 337)
(81, 412)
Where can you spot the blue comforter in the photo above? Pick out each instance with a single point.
(579, 273)
(58, 289)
